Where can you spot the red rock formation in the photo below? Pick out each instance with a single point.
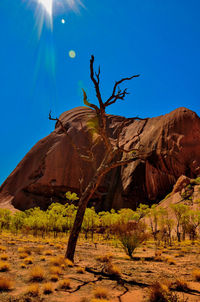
(52, 167)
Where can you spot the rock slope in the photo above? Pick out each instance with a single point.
(52, 166)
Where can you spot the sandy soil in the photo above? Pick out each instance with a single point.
(133, 283)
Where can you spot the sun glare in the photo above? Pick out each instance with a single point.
(47, 5)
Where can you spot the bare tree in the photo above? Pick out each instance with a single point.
(111, 157)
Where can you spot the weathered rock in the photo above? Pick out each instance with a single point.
(52, 166)
(181, 183)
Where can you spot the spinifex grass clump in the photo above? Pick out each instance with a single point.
(131, 235)
(5, 284)
(37, 274)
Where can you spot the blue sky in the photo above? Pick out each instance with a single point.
(156, 38)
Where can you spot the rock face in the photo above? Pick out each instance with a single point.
(53, 167)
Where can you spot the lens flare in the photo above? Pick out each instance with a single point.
(46, 9)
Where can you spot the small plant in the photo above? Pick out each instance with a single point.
(4, 266)
(33, 290)
(47, 288)
(64, 284)
(196, 275)
(5, 284)
(131, 234)
(43, 258)
(37, 274)
(101, 292)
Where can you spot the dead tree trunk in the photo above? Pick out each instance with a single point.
(112, 153)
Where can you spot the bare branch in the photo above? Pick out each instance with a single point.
(119, 95)
(96, 82)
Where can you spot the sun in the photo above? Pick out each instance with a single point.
(48, 6)
(46, 9)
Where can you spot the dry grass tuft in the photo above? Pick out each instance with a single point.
(55, 270)
(80, 270)
(25, 249)
(37, 274)
(54, 278)
(181, 285)
(69, 263)
(113, 270)
(170, 260)
(4, 256)
(64, 284)
(196, 275)
(28, 260)
(23, 265)
(33, 290)
(47, 288)
(4, 266)
(48, 253)
(104, 258)
(101, 292)
(5, 284)
(2, 248)
(23, 255)
(57, 261)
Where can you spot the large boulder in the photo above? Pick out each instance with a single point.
(53, 167)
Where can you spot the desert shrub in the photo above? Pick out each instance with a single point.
(5, 284)
(32, 290)
(196, 275)
(37, 274)
(100, 292)
(131, 235)
(4, 266)
(47, 288)
(64, 284)
(160, 293)
(181, 285)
